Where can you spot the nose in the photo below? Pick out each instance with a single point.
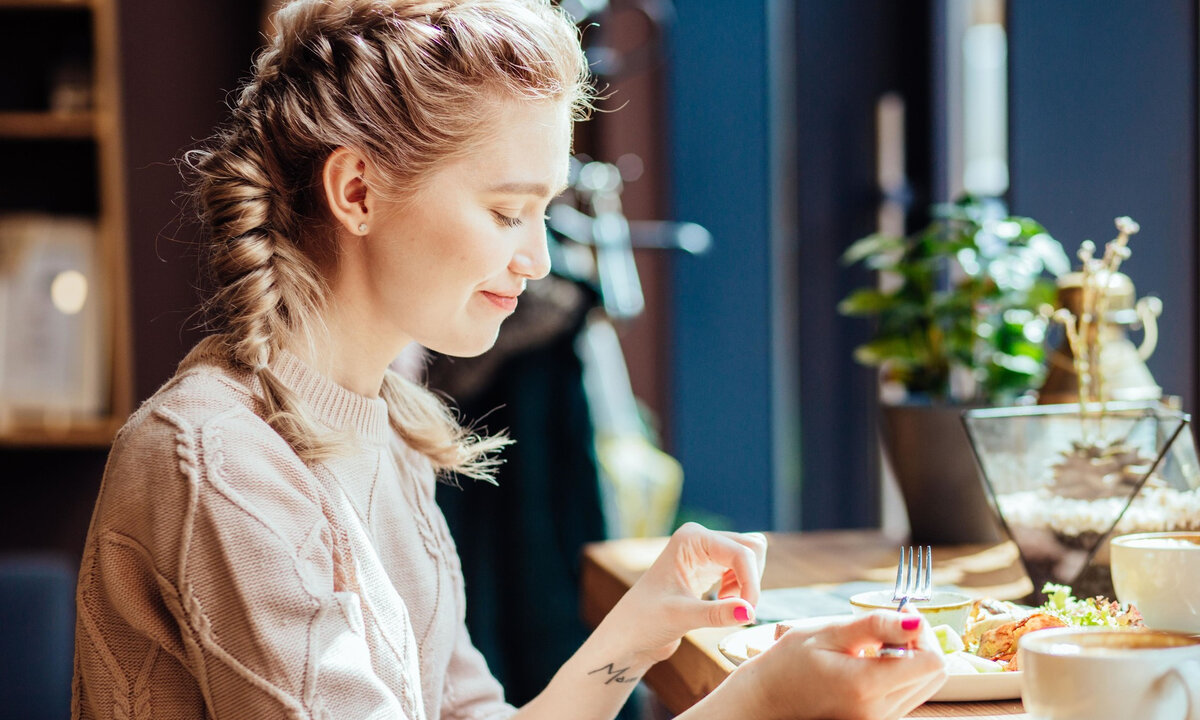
(532, 257)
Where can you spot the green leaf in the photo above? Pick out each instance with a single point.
(1019, 364)
(1051, 253)
(872, 245)
(971, 283)
(1029, 226)
(882, 350)
(866, 301)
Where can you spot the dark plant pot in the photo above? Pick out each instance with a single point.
(935, 468)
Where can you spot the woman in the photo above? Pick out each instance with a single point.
(266, 542)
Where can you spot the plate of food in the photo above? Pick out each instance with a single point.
(982, 662)
(961, 685)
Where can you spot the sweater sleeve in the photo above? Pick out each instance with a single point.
(472, 692)
(269, 627)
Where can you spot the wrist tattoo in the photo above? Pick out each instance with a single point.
(614, 675)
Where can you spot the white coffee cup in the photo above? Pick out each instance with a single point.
(1106, 674)
(1160, 574)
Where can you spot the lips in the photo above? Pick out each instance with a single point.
(503, 301)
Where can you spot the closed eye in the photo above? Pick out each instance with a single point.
(506, 220)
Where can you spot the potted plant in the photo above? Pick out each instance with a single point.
(959, 322)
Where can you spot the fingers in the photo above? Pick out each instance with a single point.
(903, 699)
(744, 555)
(687, 613)
(870, 631)
(909, 675)
(875, 687)
(722, 613)
(910, 680)
(907, 696)
(756, 541)
(738, 554)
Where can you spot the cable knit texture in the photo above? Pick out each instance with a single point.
(225, 578)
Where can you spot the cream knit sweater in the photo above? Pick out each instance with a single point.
(225, 578)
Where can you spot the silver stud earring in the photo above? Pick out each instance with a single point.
(362, 227)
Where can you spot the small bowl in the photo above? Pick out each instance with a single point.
(944, 608)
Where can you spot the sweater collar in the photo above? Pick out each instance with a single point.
(331, 404)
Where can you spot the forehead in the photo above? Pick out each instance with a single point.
(529, 143)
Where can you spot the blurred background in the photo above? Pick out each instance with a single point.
(740, 150)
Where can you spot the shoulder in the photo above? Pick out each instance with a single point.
(200, 441)
(204, 388)
(198, 401)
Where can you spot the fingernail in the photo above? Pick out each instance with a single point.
(912, 622)
(741, 614)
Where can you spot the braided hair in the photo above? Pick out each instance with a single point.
(408, 84)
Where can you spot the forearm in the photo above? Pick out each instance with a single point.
(738, 697)
(646, 624)
(595, 682)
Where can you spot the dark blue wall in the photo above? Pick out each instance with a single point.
(1103, 123)
(719, 116)
(772, 144)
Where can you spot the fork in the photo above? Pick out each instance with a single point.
(914, 582)
(914, 578)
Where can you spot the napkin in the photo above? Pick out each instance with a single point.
(805, 602)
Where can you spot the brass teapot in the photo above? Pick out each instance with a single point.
(1098, 306)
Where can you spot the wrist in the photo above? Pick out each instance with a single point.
(632, 629)
(618, 638)
(606, 664)
(594, 682)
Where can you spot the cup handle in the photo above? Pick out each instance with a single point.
(1188, 675)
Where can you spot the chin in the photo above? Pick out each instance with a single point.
(466, 347)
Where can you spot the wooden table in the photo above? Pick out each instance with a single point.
(820, 559)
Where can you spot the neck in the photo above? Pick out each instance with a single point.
(357, 343)
(349, 355)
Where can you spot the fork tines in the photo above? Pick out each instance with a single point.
(914, 575)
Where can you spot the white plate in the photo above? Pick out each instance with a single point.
(970, 687)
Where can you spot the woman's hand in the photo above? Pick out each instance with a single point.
(666, 601)
(820, 673)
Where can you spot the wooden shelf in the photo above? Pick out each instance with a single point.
(47, 125)
(86, 32)
(78, 433)
(45, 4)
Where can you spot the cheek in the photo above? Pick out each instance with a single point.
(461, 251)
(430, 253)
(478, 254)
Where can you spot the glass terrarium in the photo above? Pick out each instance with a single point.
(1063, 482)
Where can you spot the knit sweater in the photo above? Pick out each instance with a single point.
(224, 577)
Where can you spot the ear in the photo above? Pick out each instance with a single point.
(346, 191)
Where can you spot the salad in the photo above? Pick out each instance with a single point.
(994, 627)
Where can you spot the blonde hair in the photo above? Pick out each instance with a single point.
(410, 85)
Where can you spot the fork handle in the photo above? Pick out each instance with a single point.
(896, 651)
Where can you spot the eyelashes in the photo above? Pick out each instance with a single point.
(510, 221)
(506, 220)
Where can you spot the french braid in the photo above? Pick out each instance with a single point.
(405, 83)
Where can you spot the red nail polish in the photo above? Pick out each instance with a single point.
(741, 614)
(912, 622)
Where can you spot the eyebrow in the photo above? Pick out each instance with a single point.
(523, 188)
